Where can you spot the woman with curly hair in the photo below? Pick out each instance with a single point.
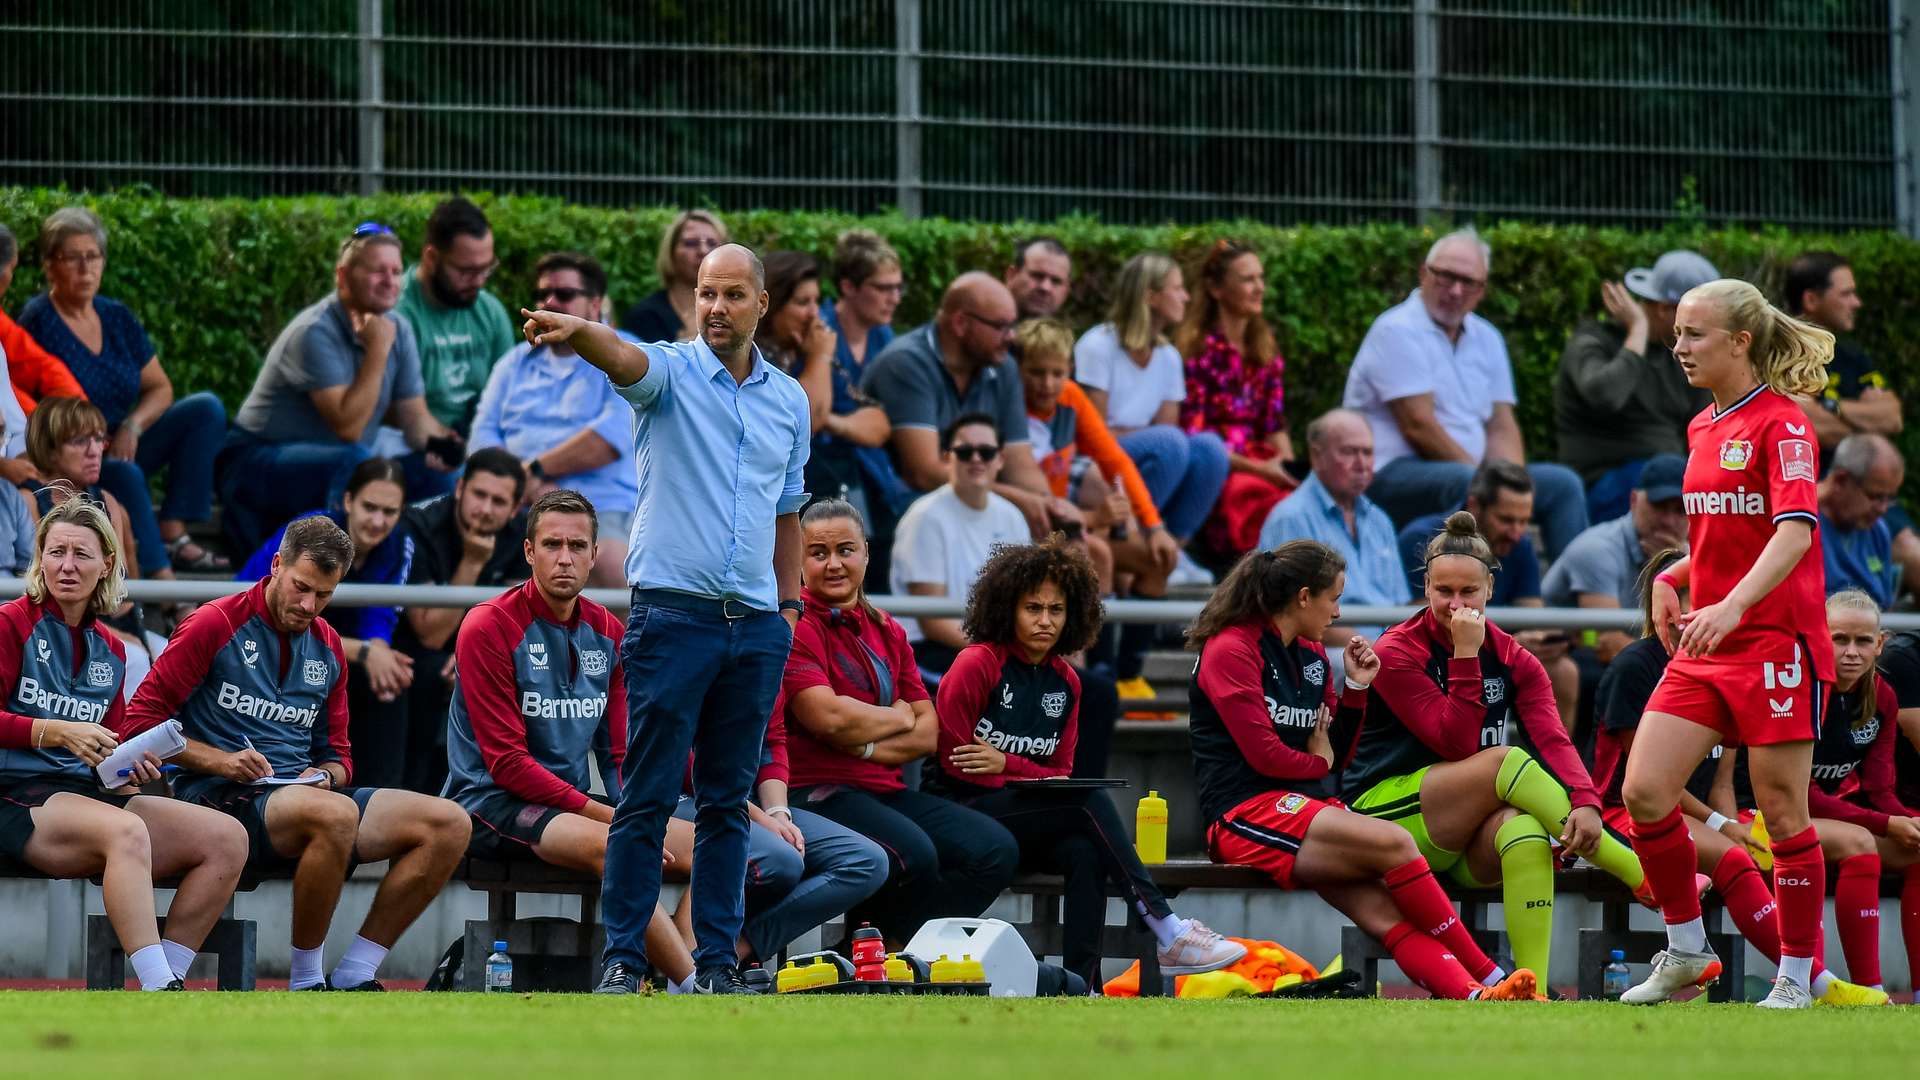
(1009, 711)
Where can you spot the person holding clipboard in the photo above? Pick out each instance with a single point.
(1009, 713)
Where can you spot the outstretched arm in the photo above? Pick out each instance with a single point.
(597, 344)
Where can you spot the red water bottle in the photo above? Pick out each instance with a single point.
(869, 955)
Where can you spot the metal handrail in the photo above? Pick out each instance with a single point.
(919, 607)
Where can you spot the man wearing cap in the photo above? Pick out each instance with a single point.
(1620, 398)
(1855, 535)
(1601, 569)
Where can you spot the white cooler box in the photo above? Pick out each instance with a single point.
(1010, 967)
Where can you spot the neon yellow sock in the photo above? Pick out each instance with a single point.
(1525, 783)
(1526, 884)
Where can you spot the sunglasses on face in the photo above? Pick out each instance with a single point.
(561, 294)
(976, 453)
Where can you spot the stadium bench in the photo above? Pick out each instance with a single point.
(548, 953)
(233, 941)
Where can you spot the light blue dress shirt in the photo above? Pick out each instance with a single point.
(537, 399)
(1374, 573)
(717, 462)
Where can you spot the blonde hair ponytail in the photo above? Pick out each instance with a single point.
(1788, 355)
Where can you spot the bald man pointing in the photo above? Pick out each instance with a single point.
(720, 442)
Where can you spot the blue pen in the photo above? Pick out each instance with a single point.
(163, 768)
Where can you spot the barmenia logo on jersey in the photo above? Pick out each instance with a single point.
(1737, 501)
(1735, 454)
(1027, 746)
(1291, 715)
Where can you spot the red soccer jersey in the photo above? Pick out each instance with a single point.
(1750, 467)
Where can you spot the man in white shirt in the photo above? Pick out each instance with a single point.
(1435, 384)
(944, 538)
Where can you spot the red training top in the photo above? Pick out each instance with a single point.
(1029, 712)
(854, 656)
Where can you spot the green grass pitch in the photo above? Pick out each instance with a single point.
(540, 1036)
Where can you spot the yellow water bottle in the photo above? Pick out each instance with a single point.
(1150, 829)
(789, 979)
(1762, 847)
(944, 970)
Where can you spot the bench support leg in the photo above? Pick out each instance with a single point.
(232, 941)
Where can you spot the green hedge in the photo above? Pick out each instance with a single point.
(215, 280)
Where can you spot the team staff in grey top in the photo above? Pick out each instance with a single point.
(339, 369)
(720, 447)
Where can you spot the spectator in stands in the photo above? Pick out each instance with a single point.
(474, 536)
(460, 328)
(1009, 710)
(956, 364)
(1601, 568)
(557, 414)
(1331, 507)
(54, 816)
(529, 786)
(1235, 390)
(867, 272)
(378, 675)
(67, 441)
(16, 514)
(1135, 380)
(1620, 397)
(1040, 277)
(944, 538)
(107, 351)
(339, 368)
(792, 337)
(1434, 381)
(32, 373)
(1821, 289)
(1855, 533)
(855, 711)
(247, 720)
(667, 314)
(714, 562)
(1501, 500)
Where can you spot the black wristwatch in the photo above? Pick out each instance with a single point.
(535, 470)
(794, 606)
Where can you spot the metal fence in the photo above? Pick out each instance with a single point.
(1622, 111)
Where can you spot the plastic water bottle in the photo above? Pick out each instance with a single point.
(1615, 979)
(499, 970)
(1150, 829)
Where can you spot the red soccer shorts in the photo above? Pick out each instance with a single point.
(1265, 832)
(1617, 819)
(1750, 703)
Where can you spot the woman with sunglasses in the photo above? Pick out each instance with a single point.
(667, 313)
(102, 342)
(1235, 391)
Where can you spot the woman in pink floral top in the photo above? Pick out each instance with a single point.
(1235, 389)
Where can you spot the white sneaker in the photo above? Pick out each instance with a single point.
(1673, 971)
(1199, 949)
(1787, 994)
(1188, 572)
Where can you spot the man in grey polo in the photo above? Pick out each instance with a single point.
(1601, 568)
(339, 370)
(720, 445)
(957, 364)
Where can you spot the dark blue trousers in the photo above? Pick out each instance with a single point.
(701, 681)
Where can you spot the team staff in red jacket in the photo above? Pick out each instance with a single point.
(1267, 749)
(1009, 712)
(61, 678)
